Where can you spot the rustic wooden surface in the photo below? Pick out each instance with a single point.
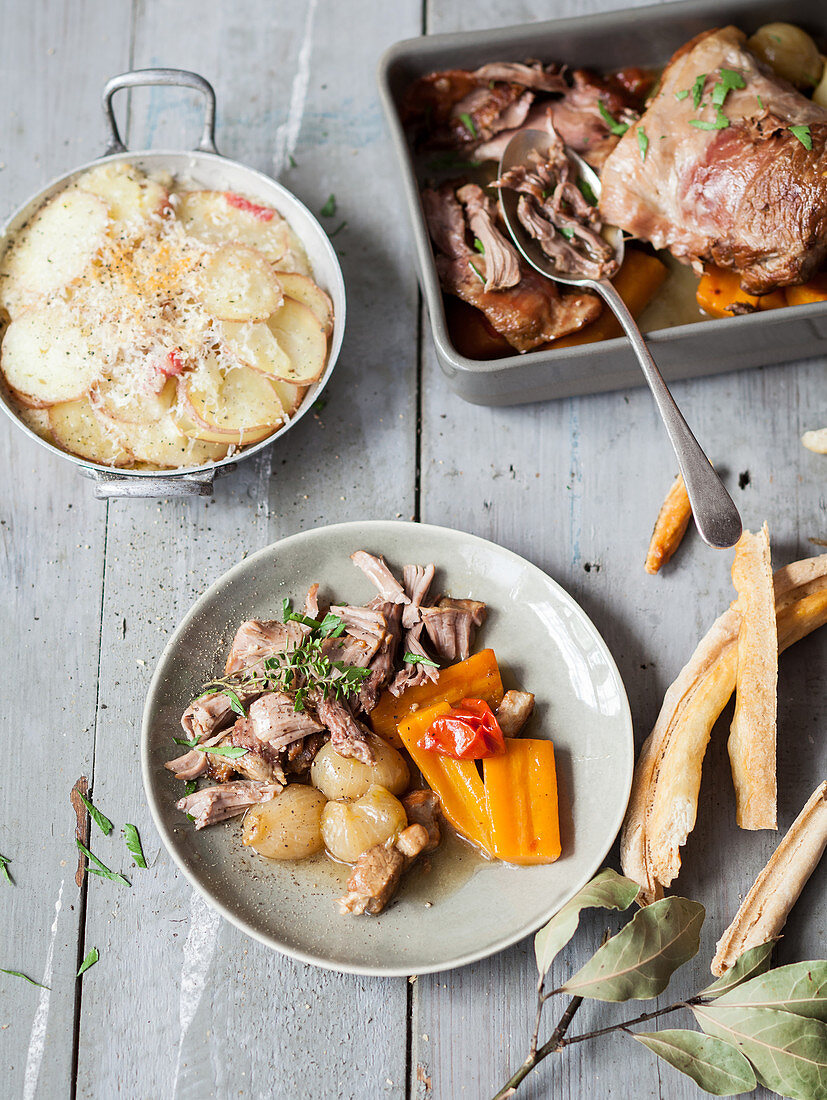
(181, 1004)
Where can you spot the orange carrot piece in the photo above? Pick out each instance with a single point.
(719, 290)
(477, 677)
(670, 526)
(814, 291)
(637, 283)
(457, 782)
(521, 798)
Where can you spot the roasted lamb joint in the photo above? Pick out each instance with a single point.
(729, 182)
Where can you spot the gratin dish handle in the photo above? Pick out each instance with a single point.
(110, 486)
(179, 78)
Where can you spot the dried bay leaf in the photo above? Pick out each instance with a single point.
(800, 988)
(754, 961)
(789, 1052)
(607, 890)
(638, 962)
(717, 1066)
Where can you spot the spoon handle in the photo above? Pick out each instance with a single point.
(716, 516)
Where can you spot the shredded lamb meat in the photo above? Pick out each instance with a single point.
(276, 722)
(213, 804)
(502, 261)
(256, 640)
(451, 626)
(377, 571)
(347, 734)
(514, 711)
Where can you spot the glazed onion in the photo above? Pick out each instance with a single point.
(343, 777)
(288, 826)
(790, 52)
(350, 828)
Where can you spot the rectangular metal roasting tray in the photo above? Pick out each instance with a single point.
(645, 36)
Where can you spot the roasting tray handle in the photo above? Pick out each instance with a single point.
(114, 485)
(176, 77)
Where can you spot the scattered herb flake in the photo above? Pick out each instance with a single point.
(338, 229)
(721, 122)
(681, 95)
(25, 977)
(586, 191)
(190, 787)
(468, 123)
(760, 102)
(232, 752)
(133, 843)
(698, 90)
(101, 868)
(178, 741)
(291, 160)
(418, 659)
(803, 135)
(190, 816)
(4, 868)
(298, 617)
(642, 142)
(564, 231)
(729, 80)
(329, 208)
(101, 820)
(236, 706)
(615, 127)
(332, 626)
(319, 404)
(90, 960)
(473, 268)
(480, 247)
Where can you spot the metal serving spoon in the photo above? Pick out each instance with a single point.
(716, 516)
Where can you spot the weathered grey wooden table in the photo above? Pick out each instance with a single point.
(181, 1004)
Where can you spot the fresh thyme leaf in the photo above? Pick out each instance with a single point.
(418, 659)
(681, 95)
(4, 868)
(803, 135)
(90, 960)
(232, 752)
(480, 247)
(329, 208)
(298, 701)
(729, 80)
(181, 741)
(721, 122)
(338, 229)
(190, 816)
(642, 142)
(586, 191)
(285, 608)
(101, 868)
(25, 977)
(468, 123)
(133, 843)
(564, 231)
(332, 626)
(698, 90)
(101, 820)
(473, 268)
(190, 787)
(615, 127)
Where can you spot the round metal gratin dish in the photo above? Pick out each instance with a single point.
(203, 167)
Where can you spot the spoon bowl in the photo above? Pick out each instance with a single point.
(715, 514)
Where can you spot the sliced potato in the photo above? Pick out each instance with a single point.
(302, 336)
(304, 290)
(55, 248)
(290, 396)
(255, 345)
(236, 283)
(162, 444)
(240, 402)
(216, 217)
(47, 357)
(76, 428)
(130, 196)
(195, 430)
(35, 419)
(118, 401)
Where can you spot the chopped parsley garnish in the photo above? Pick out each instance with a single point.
(100, 868)
(615, 127)
(232, 752)
(480, 247)
(586, 191)
(133, 843)
(473, 268)
(319, 404)
(697, 90)
(468, 123)
(721, 122)
(760, 102)
(90, 960)
(642, 142)
(101, 820)
(338, 229)
(291, 160)
(564, 231)
(681, 95)
(183, 741)
(25, 977)
(729, 80)
(418, 659)
(803, 135)
(190, 787)
(329, 208)
(4, 868)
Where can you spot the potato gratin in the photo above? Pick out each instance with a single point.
(151, 326)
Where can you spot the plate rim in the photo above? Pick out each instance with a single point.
(363, 527)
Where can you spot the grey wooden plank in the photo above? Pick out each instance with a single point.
(575, 485)
(221, 1014)
(53, 547)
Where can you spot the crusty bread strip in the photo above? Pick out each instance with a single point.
(753, 731)
(690, 708)
(670, 526)
(766, 907)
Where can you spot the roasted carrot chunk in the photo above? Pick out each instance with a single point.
(521, 798)
(670, 526)
(457, 782)
(719, 294)
(477, 677)
(814, 291)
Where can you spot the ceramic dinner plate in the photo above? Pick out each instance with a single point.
(463, 907)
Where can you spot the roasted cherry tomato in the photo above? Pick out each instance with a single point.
(263, 213)
(469, 732)
(174, 364)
